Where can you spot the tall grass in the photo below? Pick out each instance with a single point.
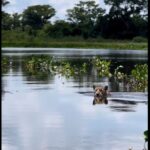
(22, 39)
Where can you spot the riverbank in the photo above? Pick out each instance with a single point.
(22, 39)
(82, 44)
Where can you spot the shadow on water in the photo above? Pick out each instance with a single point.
(127, 102)
(123, 105)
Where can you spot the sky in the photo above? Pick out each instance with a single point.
(60, 6)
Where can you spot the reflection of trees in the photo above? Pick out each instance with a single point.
(5, 64)
(2, 87)
(12, 62)
(74, 68)
(37, 75)
(15, 62)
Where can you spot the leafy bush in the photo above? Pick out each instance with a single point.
(5, 64)
(118, 74)
(139, 77)
(102, 66)
(38, 62)
(139, 39)
(4, 61)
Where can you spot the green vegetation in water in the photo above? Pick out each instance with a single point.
(44, 65)
(49, 64)
(67, 69)
(41, 63)
(102, 66)
(145, 138)
(139, 77)
(5, 64)
(5, 61)
(118, 74)
(37, 67)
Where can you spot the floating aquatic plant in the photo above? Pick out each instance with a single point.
(38, 62)
(118, 74)
(68, 69)
(5, 64)
(102, 66)
(139, 77)
(4, 61)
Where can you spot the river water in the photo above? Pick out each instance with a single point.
(53, 112)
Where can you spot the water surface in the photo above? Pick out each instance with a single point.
(53, 112)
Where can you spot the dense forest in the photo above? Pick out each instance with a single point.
(126, 19)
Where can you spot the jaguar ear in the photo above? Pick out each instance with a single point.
(106, 88)
(94, 87)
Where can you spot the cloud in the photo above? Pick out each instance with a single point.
(60, 7)
(63, 5)
(13, 2)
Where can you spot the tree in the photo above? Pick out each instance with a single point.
(141, 25)
(85, 12)
(4, 2)
(6, 18)
(129, 7)
(38, 15)
(119, 21)
(85, 15)
(16, 20)
(6, 21)
(59, 29)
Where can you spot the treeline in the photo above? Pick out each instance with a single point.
(126, 19)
